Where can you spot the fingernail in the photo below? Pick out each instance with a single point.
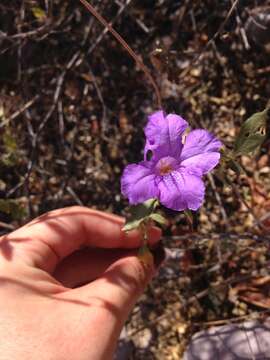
(158, 253)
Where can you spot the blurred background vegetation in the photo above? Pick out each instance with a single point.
(73, 106)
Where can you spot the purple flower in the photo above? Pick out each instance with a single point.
(174, 173)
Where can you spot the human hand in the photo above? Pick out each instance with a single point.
(61, 300)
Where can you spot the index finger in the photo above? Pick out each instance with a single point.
(51, 237)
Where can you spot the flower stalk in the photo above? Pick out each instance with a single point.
(131, 52)
(144, 253)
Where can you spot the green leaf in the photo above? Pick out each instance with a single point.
(252, 133)
(9, 142)
(132, 224)
(158, 218)
(10, 157)
(139, 214)
(38, 13)
(12, 208)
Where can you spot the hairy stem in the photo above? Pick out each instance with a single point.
(143, 229)
(119, 38)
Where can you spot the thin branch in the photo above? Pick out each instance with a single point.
(218, 199)
(242, 31)
(119, 38)
(6, 226)
(106, 29)
(211, 41)
(101, 99)
(20, 111)
(74, 196)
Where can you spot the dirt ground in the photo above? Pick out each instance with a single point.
(73, 105)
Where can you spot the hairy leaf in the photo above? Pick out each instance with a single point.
(252, 133)
(139, 214)
(159, 219)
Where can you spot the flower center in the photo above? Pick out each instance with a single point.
(166, 165)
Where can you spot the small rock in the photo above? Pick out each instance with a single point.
(142, 339)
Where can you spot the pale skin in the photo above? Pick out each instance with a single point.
(61, 300)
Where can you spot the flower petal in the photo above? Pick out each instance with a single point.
(203, 163)
(163, 134)
(138, 183)
(201, 150)
(181, 190)
(200, 141)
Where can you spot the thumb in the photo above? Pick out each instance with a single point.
(118, 289)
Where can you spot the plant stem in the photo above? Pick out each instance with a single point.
(144, 253)
(143, 230)
(119, 38)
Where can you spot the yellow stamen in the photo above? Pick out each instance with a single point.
(165, 169)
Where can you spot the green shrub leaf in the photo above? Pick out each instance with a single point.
(252, 133)
(12, 208)
(38, 13)
(139, 214)
(159, 219)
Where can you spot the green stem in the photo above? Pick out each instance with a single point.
(143, 228)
